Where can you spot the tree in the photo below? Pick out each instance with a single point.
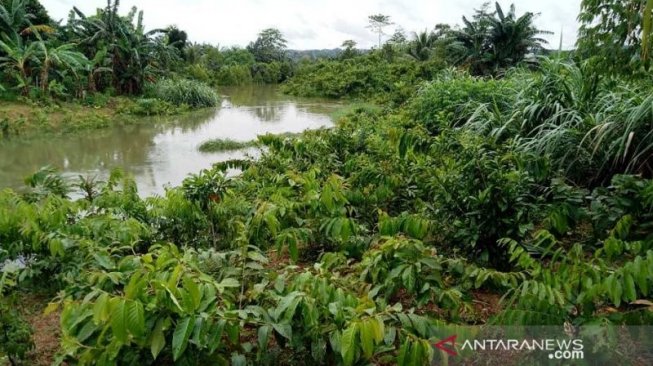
(269, 46)
(64, 57)
(39, 15)
(377, 23)
(14, 18)
(422, 45)
(16, 62)
(491, 42)
(512, 38)
(176, 38)
(135, 55)
(349, 49)
(398, 38)
(616, 34)
(469, 44)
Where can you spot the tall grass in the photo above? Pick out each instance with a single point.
(186, 92)
(624, 134)
(589, 127)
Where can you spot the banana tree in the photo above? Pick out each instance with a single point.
(16, 61)
(95, 67)
(14, 19)
(132, 53)
(63, 56)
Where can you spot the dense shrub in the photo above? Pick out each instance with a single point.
(152, 107)
(188, 92)
(453, 97)
(368, 77)
(233, 75)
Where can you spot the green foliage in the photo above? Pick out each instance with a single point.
(354, 245)
(166, 310)
(153, 107)
(15, 333)
(234, 75)
(490, 43)
(452, 98)
(186, 92)
(616, 35)
(368, 77)
(269, 46)
(218, 145)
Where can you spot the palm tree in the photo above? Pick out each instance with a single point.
(512, 38)
(493, 41)
(16, 61)
(421, 47)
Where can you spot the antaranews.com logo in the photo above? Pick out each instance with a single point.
(557, 349)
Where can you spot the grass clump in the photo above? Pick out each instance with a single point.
(217, 145)
(186, 92)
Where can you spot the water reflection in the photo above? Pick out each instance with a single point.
(164, 151)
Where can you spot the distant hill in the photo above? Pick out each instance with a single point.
(297, 55)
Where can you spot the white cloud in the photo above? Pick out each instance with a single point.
(310, 24)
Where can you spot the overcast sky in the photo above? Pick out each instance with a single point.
(311, 24)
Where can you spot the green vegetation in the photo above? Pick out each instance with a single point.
(185, 92)
(370, 76)
(527, 188)
(218, 145)
(488, 45)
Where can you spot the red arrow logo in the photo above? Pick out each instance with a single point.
(441, 345)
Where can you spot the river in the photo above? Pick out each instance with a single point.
(164, 151)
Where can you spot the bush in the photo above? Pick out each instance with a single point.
(218, 145)
(189, 92)
(15, 334)
(366, 77)
(152, 107)
(452, 98)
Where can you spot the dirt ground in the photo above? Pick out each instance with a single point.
(46, 328)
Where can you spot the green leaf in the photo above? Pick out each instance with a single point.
(293, 251)
(228, 282)
(215, 335)
(158, 340)
(630, 292)
(367, 338)
(119, 320)
(87, 330)
(193, 292)
(238, 360)
(348, 344)
(284, 329)
(614, 290)
(641, 275)
(264, 336)
(403, 358)
(101, 309)
(135, 318)
(181, 335)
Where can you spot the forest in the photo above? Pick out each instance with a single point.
(477, 176)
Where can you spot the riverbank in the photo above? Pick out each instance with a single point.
(27, 118)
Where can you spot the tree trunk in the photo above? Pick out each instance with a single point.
(23, 73)
(45, 73)
(91, 82)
